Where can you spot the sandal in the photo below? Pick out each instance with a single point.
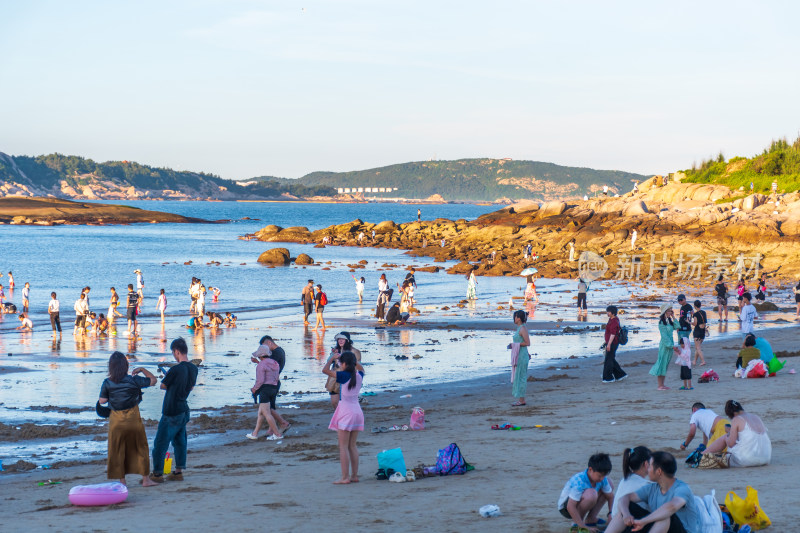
(495, 426)
(518, 404)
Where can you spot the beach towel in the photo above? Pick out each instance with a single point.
(514, 358)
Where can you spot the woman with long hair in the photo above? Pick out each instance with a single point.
(472, 285)
(635, 462)
(348, 419)
(748, 442)
(519, 358)
(128, 452)
(343, 344)
(667, 325)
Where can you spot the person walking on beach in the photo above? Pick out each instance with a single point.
(320, 301)
(740, 290)
(348, 418)
(267, 344)
(81, 312)
(722, 298)
(685, 317)
(178, 382)
(667, 325)
(749, 313)
(265, 390)
(128, 452)
(519, 358)
(53, 309)
(139, 283)
(161, 305)
(583, 288)
(699, 323)
(472, 286)
(611, 370)
(26, 295)
(307, 300)
(133, 304)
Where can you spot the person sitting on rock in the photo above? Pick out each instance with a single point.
(394, 317)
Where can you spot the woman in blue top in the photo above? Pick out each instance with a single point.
(348, 419)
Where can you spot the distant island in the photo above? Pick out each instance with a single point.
(55, 212)
(464, 180)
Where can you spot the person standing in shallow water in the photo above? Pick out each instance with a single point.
(307, 300)
(472, 286)
(611, 370)
(519, 358)
(722, 298)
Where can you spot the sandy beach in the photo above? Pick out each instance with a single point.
(236, 484)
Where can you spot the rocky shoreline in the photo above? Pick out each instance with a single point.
(680, 229)
(16, 210)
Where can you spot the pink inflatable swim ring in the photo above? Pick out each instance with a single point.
(100, 494)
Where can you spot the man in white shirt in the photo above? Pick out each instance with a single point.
(81, 311)
(55, 317)
(707, 421)
(748, 314)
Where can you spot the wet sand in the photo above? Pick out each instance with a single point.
(241, 485)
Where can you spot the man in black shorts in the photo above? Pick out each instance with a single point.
(133, 302)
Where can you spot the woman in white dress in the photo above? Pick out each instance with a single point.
(748, 442)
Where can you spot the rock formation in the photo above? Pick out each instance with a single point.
(690, 223)
(275, 256)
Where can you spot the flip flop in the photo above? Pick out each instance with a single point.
(505, 426)
(517, 404)
(516, 428)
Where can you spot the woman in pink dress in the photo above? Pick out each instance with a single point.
(348, 419)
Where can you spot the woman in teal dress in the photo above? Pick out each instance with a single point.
(667, 325)
(519, 368)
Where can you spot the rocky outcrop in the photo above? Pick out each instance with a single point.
(54, 211)
(275, 256)
(304, 259)
(688, 224)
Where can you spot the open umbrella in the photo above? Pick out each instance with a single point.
(528, 271)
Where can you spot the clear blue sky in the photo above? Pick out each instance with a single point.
(246, 88)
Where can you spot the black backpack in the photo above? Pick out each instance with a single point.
(623, 335)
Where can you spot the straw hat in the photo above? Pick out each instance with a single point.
(665, 308)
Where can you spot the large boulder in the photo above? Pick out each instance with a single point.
(275, 256)
(637, 207)
(552, 208)
(753, 201)
(304, 259)
(387, 226)
(267, 232)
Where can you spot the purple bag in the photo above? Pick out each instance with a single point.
(450, 461)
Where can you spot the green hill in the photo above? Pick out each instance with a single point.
(52, 174)
(779, 163)
(479, 179)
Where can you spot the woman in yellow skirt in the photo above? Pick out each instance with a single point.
(128, 452)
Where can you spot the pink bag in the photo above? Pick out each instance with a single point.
(417, 418)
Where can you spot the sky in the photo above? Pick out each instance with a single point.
(245, 88)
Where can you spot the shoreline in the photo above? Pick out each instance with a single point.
(303, 464)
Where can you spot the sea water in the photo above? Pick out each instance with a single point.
(67, 372)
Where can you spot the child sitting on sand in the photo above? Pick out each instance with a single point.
(27, 325)
(585, 494)
(230, 320)
(683, 352)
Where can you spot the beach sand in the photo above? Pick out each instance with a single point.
(239, 485)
